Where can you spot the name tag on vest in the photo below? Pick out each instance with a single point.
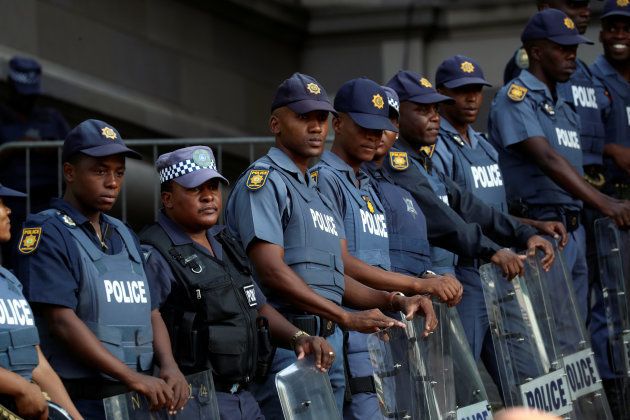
(373, 224)
(486, 176)
(125, 291)
(549, 393)
(568, 138)
(324, 222)
(15, 312)
(584, 97)
(582, 373)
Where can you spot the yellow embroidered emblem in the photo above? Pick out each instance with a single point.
(314, 176)
(313, 88)
(516, 93)
(370, 206)
(399, 160)
(424, 82)
(569, 23)
(467, 67)
(29, 240)
(108, 133)
(377, 101)
(257, 178)
(428, 150)
(623, 3)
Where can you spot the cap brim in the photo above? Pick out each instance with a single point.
(310, 105)
(373, 122)
(615, 13)
(196, 178)
(109, 150)
(430, 98)
(464, 81)
(570, 39)
(8, 192)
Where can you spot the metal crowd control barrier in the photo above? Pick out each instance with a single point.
(544, 356)
(202, 404)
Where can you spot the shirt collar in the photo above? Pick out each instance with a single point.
(605, 66)
(535, 84)
(67, 208)
(179, 237)
(338, 164)
(448, 127)
(403, 146)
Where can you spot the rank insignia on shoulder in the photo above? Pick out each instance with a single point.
(399, 160)
(257, 178)
(549, 109)
(314, 175)
(66, 219)
(370, 206)
(516, 93)
(29, 239)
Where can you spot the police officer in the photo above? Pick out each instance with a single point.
(83, 274)
(466, 157)
(410, 167)
(190, 258)
(22, 119)
(24, 371)
(363, 114)
(293, 235)
(537, 135)
(613, 70)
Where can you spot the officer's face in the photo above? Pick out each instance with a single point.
(353, 143)
(419, 123)
(615, 38)
(195, 209)
(557, 61)
(5, 222)
(95, 183)
(301, 136)
(578, 11)
(465, 109)
(387, 140)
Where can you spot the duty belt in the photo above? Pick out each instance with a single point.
(93, 388)
(312, 324)
(231, 388)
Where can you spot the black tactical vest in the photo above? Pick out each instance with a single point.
(211, 312)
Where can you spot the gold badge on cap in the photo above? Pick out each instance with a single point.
(425, 82)
(108, 133)
(29, 240)
(314, 175)
(399, 160)
(623, 3)
(569, 23)
(516, 93)
(256, 179)
(378, 101)
(467, 67)
(313, 88)
(370, 206)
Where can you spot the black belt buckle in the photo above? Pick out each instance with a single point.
(572, 220)
(326, 327)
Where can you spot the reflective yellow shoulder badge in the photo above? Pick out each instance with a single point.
(256, 179)
(516, 93)
(30, 239)
(399, 160)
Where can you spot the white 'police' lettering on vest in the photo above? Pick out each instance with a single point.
(568, 138)
(584, 97)
(549, 393)
(373, 224)
(324, 222)
(582, 373)
(486, 176)
(125, 291)
(478, 411)
(15, 312)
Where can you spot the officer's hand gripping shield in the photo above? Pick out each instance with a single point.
(542, 352)
(305, 392)
(613, 254)
(202, 403)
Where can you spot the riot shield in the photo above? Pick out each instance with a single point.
(202, 403)
(305, 392)
(613, 253)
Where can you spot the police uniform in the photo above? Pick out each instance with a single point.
(525, 108)
(273, 202)
(62, 262)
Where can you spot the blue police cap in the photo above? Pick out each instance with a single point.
(392, 100)
(97, 139)
(366, 103)
(459, 71)
(302, 94)
(25, 74)
(554, 25)
(410, 86)
(616, 8)
(189, 167)
(8, 192)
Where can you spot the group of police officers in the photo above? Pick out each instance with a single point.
(405, 207)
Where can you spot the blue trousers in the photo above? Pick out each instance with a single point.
(239, 406)
(267, 395)
(364, 405)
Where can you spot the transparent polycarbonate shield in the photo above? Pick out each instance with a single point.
(470, 394)
(202, 403)
(399, 376)
(305, 392)
(613, 253)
